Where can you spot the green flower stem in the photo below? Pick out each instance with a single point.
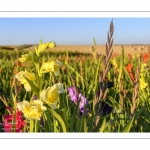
(14, 112)
(31, 125)
(40, 85)
(50, 79)
(39, 75)
(25, 128)
(122, 121)
(14, 122)
(36, 125)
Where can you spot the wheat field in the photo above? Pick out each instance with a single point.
(132, 49)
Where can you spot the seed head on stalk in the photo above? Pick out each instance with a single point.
(102, 92)
(136, 86)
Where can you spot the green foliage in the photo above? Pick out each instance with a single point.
(84, 68)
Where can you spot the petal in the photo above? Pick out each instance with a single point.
(18, 76)
(57, 72)
(58, 63)
(47, 66)
(53, 106)
(58, 87)
(30, 76)
(19, 106)
(52, 44)
(23, 58)
(40, 103)
(71, 91)
(52, 96)
(22, 105)
(43, 95)
(27, 87)
(74, 99)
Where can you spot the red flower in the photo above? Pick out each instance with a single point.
(132, 76)
(8, 121)
(129, 69)
(145, 58)
(114, 55)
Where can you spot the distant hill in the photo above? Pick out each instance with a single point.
(19, 47)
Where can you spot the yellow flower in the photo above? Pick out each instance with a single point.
(41, 48)
(52, 45)
(143, 67)
(138, 55)
(27, 57)
(51, 94)
(20, 77)
(143, 84)
(32, 110)
(133, 56)
(53, 66)
(114, 62)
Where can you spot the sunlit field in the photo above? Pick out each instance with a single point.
(50, 88)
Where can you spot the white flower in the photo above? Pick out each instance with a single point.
(51, 95)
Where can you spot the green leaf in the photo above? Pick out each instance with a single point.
(33, 87)
(139, 112)
(80, 124)
(91, 120)
(85, 120)
(48, 122)
(113, 101)
(94, 41)
(103, 125)
(59, 119)
(62, 116)
(33, 57)
(129, 124)
(73, 118)
(94, 52)
(110, 122)
(76, 73)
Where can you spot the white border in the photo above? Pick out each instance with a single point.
(74, 14)
(74, 5)
(77, 5)
(75, 135)
(59, 144)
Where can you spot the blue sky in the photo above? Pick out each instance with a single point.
(73, 31)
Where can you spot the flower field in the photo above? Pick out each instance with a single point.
(45, 91)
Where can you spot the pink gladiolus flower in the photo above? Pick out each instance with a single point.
(8, 121)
